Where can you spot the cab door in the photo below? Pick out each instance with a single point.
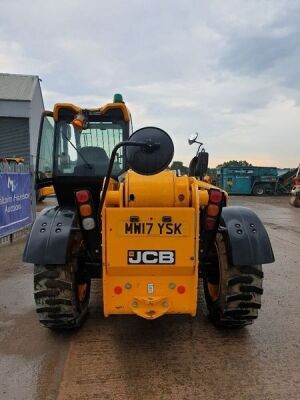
(44, 162)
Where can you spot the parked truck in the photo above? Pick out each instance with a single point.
(252, 180)
(295, 192)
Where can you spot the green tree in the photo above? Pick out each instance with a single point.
(178, 166)
(235, 163)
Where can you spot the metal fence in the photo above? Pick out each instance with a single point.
(14, 167)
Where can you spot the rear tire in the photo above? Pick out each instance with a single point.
(61, 298)
(259, 190)
(232, 293)
(294, 201)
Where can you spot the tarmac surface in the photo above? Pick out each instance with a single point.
(174, 357)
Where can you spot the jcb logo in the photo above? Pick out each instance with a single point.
(150, 257)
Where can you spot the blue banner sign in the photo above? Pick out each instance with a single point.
(15, 202)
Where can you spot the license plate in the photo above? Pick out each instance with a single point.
(147, 228)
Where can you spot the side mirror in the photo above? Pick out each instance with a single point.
(193, 138)
(154, 156)
(199, 165)
(202, 164)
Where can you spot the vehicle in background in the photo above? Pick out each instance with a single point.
(257, 181)
(295, 192)
(44, 192)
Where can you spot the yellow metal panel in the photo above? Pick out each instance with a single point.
(135, 280)
(121, 106)
(103, 109)
(68, 106)
(135, 290)
(150, 233)
(203, 196)
(182, 191)
(150, 190)
(203, 187)
(151, 244)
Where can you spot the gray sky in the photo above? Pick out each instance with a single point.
(229, 70)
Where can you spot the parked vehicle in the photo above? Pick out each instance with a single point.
(295, 192)
(257, 181)
(124, 217)
(44, 192)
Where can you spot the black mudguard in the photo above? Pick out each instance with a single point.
(49, 238)
(247, 238)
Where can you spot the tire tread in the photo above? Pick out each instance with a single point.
(56, 299)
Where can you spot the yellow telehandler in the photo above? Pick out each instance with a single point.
(125, 218)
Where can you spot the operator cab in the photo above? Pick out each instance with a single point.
(75, 146)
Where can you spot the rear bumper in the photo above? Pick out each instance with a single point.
(150, 296)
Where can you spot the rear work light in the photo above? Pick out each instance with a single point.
(80, 121)
(88, 223)
(82, 196)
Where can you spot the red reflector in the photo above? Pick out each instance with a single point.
(215, 196)
(210, 223)
(118, 290)
(181, 289)
(82, 196)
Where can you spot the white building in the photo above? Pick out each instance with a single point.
(21, 106)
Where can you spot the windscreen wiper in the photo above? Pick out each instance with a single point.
(78, 152)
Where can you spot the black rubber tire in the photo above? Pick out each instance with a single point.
(294, 201)
(259, 190)
(56, 296)
(239, 289)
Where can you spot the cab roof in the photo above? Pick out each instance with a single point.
(115, 110)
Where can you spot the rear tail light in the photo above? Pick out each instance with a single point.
(118, 290)
(181, 289)
(84, 200)
(83, 196)
(215, 196)
(213, 209)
